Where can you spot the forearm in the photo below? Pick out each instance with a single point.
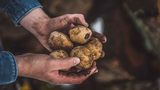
(17, 9)
(35, 22)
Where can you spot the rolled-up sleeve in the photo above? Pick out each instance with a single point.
(8, 68)
(17, 9)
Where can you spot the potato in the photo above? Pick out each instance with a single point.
(60, 54)
(80, 34)
(58, 40)
(84, 55)
(95, 46)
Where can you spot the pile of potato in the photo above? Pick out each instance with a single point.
(90, 48)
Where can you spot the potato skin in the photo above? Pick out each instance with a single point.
(58, 40)
(80, 34)
(95, 46)
(84, 55)
(60, 54)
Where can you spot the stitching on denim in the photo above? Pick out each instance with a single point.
(26, 11)
(12, 5)
(15, 68)
(23, 12)
(14, 75)
(7, 5)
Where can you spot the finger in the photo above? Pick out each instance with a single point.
(47, 47)
(72, 25)
(94, 64)
(77, 78)
(78, 19)
(80, 77)
(59, 64)
(73, 69)
(101, 37)
(45, 44)
(96, 71)
(66, 21)
(102, 54)
(59, 23)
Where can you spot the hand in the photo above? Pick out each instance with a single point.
(63, 24)
(38, 23)
(44, 67)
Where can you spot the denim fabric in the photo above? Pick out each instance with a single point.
(8, 68)
(17, 9)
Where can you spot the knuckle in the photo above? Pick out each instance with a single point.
(67, 15)
(81, 15)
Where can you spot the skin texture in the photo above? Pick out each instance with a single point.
(44, 67)
(95, 46)
(59, 54)
(85, 55)
(58, 40)
(80, 34)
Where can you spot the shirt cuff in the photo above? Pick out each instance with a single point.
(8, 68)
(17, 9)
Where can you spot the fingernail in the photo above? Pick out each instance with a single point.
(76, 60)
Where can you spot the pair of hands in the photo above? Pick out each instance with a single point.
(44, 67)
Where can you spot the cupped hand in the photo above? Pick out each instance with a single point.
(63, 24)
(44, 67)
(40, 25)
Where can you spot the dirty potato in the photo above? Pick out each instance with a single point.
(95, 46)
(84, 55)
(60, 54)
(58, 40)
(80, 34)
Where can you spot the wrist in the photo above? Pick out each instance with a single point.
(24, 65)
(35, 22)
(19, 65)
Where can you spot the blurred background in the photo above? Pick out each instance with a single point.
(132, 28)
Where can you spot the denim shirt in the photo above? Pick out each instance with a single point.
(16, 10)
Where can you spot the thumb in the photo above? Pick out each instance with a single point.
(65, 63)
